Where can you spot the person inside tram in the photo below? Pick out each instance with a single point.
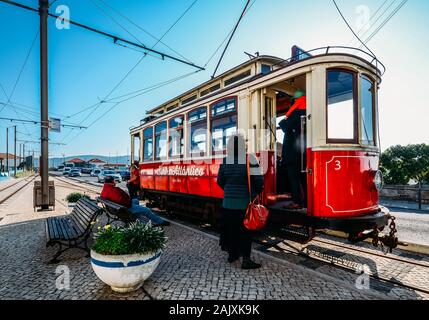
(115, 194)
(291, 151)
(134, 182)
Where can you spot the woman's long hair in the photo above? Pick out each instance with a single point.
(236, 150)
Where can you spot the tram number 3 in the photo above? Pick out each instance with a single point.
(337, 165)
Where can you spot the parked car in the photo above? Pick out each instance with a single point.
(109, 173)
(95, 172)
(86, 170)
(66, 171)
(75, 173)
(125, 175)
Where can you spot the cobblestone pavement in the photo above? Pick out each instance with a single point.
(397, 271)
(192, 267)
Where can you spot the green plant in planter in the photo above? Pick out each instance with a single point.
(75, 197)
(137, 238)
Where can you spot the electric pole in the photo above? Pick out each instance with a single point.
(23, 156)
(44, 165)
(7, 151)
(14, 153)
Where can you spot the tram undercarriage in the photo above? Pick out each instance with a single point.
(295, 225)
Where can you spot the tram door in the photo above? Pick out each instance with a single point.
(283, 104)
(284, 185)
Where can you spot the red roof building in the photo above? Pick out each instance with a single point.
(75, 161)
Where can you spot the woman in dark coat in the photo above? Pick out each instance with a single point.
(232, 178)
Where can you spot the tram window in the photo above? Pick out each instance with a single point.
(136, 150)
(265, 68)
(197, 121)
(177, 142)
(367, 111)
(161, 141)
(148, 144)
(224, 124)
(341, 106)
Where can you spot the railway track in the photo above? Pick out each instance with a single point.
(327, 256)
(76, 186)
(360, 250)
(303, 251)
(20, 185)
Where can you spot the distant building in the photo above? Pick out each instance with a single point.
(75, 162)
(96, 163)
(116, 166)
(11, 157)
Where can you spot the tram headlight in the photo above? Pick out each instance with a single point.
(378, 181)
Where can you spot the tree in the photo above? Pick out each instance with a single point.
(400, 164)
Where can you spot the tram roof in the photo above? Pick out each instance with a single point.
(245, 72)
(270, 60)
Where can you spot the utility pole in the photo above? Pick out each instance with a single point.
(23, 156)
(44, 165)
(20, 155)
(7, 151)
(32, 162)
(14, 154)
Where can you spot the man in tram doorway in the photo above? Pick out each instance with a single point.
(133, 184)
(292, 149)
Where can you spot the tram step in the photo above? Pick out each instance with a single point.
(300, 235)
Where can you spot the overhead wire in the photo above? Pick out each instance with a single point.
(144, 30)
(230, 38)
(158, 41)
(363, 35)
(351, 29)
(226, 38)
(96, 105)
(19, 77)
(364, 27)
(386, 21)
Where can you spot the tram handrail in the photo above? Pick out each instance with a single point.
(328, 50)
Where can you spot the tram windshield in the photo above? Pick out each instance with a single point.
(341, 106)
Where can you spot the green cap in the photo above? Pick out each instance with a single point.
(298, 94)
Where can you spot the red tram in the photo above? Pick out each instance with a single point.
(181, 144)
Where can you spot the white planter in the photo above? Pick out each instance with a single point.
(124, 273)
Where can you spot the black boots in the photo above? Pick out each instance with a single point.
(232, 258)
(249, 264)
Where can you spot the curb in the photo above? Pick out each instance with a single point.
(405, 246)
(406, 209)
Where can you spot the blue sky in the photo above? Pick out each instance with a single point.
(84, 67)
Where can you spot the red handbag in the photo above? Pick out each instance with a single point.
(256, 214)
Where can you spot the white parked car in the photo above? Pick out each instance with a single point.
(109, 173)
(95, 172)
(66, 171)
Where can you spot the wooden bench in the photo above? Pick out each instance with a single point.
(116, 212)
(73, 230)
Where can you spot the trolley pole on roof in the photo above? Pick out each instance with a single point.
(44, 126)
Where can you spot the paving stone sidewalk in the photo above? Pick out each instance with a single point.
(192, 267)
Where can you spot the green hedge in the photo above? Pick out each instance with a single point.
(75, 196)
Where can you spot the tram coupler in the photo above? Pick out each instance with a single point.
(390, 242)
(362, 236)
